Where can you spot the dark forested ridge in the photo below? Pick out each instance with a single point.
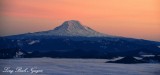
(81, 47)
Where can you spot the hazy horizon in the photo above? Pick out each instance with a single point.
(128, 18)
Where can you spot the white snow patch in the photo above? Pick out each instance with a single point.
(115, 59)
(138, 58)
(33, 42)
(147, 55)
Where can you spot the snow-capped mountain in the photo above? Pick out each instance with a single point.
(71, 28)
(72, 39)
(75, 28)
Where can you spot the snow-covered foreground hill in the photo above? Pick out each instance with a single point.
(52, 66)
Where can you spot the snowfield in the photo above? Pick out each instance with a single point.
(53, 66)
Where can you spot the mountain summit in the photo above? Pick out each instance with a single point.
(70, 25)
(71, 28)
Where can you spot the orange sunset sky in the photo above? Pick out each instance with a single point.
(128, 18)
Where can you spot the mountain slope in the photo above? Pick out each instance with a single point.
(8, 48)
